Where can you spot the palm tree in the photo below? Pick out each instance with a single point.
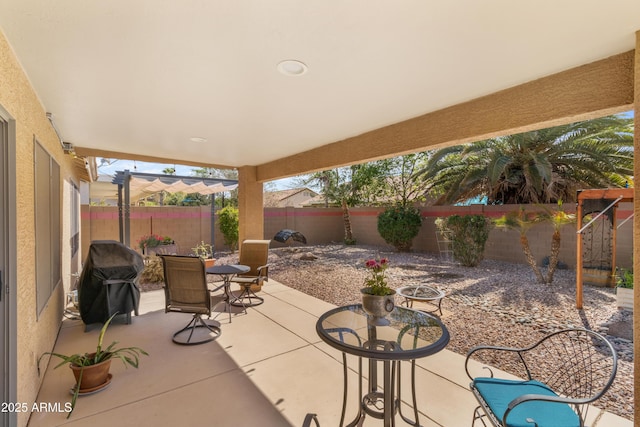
(522, 221)
(543, 166)
(557, 218)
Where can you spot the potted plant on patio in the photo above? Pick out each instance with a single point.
(624, 289)
(377, 296)
(91, 370)
(205, 252)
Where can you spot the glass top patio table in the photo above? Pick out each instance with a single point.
(227, 271)
(410, 334)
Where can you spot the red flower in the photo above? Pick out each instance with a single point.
(377, 281)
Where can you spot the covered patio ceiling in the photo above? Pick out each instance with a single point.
(199, 83)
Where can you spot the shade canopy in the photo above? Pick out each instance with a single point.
(145, 184)
(134, 185)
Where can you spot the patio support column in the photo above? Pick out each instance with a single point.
(250, 205)
(636, 229)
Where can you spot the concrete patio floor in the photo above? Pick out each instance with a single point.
(268, 368)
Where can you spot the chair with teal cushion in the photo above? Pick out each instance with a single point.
(561, 375)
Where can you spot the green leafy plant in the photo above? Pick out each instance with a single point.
(377, 282)
(399, 225)
(228, 222)
(203, 250)
(128, 356)
(624, 278)
(469, 234)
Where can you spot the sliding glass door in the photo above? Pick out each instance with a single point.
(7, 267)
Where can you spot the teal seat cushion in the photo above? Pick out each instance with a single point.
(497, 393)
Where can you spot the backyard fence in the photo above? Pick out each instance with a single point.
(188, 226)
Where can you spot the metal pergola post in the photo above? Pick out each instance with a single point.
(213, 222)
(127, 208)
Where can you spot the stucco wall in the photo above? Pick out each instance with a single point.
(35, 334)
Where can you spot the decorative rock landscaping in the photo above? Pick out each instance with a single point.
(494, 303)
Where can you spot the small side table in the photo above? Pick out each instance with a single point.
(422, 293)
(227, 272)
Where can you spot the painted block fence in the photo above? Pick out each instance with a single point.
(190, 225)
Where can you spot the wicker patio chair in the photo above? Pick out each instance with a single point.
(561, 375)
(253, 253)
(186, 291)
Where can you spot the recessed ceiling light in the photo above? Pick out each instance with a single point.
(292, 67)
(198, 139)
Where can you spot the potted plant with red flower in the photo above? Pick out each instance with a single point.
(377, 296)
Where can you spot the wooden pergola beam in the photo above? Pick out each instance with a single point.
(607, 193)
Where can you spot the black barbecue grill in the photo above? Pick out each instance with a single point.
(109, 282)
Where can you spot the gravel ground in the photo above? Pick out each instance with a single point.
(494, 303)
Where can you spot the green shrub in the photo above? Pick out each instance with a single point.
(469, 233)
(624, 278)
(399, 225)
(228, 222)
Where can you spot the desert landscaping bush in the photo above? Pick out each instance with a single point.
(399, 225)
(469, 234)
(228, 220)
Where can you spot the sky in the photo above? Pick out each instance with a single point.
(106, 168)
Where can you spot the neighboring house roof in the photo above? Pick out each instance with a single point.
(295, 197)
(319, 201)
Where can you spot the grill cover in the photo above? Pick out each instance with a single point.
(109, 282)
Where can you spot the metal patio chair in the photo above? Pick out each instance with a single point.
(562, 374)
(309, 418)
(186, 291)
(253, 253)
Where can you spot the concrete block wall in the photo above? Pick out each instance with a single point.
(190, 225)
(187, 225)
(318, 225)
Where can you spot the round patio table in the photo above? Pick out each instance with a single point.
(410, 335)
(227, 271)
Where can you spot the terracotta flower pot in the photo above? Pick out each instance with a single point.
(92, 376)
